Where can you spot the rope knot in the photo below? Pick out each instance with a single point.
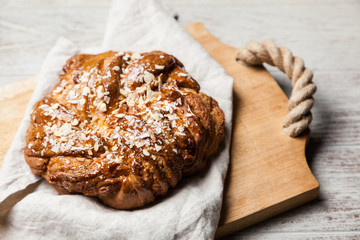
(301, 101)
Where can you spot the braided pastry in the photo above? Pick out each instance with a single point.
(123, 127)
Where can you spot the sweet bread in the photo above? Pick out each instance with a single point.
(123, 127)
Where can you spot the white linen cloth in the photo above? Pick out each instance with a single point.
(31, 209)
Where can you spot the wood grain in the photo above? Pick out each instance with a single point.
(325, 33)
(268, 173)
(337, 109)
(268, 170)
(13, 101)
(311, 35)
(334, 215)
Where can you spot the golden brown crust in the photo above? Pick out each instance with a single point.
(123, 127)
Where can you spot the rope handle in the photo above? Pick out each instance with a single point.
(301, 101)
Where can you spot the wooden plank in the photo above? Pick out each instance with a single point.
(315, 32)
(296, 26)
(297, 236)
(266, 164)
(97, 3)
(26, 38)
(13, 78)
(13, 101)
(337, 109)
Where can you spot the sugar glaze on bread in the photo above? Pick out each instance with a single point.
(122, 126)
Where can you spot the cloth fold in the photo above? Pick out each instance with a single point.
(190, 211)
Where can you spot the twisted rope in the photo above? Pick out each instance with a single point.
(301, 101)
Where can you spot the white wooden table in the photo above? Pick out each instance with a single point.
(325, 33)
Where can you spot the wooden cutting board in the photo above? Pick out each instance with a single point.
(268, 172)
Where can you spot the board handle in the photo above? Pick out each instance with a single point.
(301, 101)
